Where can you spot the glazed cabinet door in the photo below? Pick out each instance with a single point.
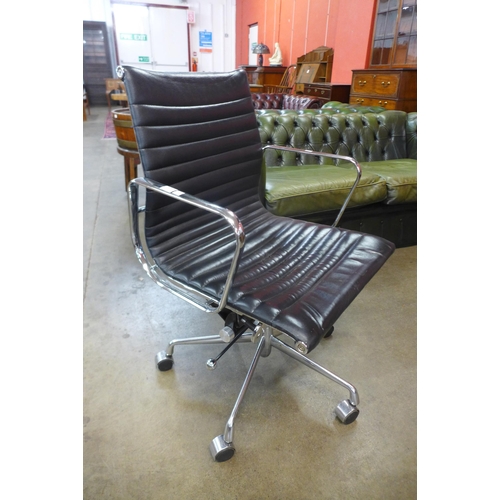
(395, 34)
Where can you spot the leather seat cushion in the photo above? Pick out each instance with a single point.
(400, 177)
(307, 189)
(295, 276)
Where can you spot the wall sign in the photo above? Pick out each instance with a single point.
(205, 41)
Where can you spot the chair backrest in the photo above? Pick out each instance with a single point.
(205, 143)
(288, 79)
(286, 84)
(113, 84)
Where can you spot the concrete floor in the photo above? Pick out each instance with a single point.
(146, 433)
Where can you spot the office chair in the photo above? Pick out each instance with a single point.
(204, 235)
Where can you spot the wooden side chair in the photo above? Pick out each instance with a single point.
(112, 84)
(286, 84)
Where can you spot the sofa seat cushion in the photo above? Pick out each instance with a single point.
(400, 177)
(307, 189)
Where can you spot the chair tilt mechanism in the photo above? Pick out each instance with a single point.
(204, 234)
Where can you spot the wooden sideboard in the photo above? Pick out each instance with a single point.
(328, 91)
(258, 76)
(389, 88)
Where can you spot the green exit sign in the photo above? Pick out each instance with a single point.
(133, 37)
(143, 59)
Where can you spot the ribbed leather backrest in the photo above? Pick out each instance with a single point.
(203, 142)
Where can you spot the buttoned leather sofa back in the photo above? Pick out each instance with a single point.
(284, 101)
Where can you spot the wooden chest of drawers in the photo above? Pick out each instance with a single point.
(327, 91)
(391, 88)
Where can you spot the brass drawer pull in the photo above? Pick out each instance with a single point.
(384, 103)
(360, 100)
(385, 84)
(361, 83)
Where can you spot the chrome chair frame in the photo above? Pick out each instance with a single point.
(206, 302)
(221, 447)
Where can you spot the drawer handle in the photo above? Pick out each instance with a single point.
(385, 84)
(360, 100)
(322, 92)
(361, 83)
(384, 103)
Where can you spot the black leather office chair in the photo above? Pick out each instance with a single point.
(204, 235)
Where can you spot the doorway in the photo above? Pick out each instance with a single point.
(151, 37)
(253, 35)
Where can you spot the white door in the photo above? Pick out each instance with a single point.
(151, 37)
(253, 35)
(133, 35)
(169, 39)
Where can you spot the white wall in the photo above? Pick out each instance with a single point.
(215, 16)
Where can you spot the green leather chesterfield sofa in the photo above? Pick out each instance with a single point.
(313, 188)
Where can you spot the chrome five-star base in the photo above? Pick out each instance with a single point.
(222, 447)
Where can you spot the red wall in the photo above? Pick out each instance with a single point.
(300, 26)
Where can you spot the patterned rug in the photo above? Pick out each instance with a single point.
(109, 127)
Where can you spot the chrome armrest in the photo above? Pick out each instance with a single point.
(201, 300)
(328, 155)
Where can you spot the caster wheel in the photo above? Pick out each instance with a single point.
(220, 450)
(164, 362)
(346, 412)
(328, 333)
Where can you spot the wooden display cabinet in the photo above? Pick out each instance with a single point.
(394, 43)
(391, 79)
(314, 67)
(96, 61)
